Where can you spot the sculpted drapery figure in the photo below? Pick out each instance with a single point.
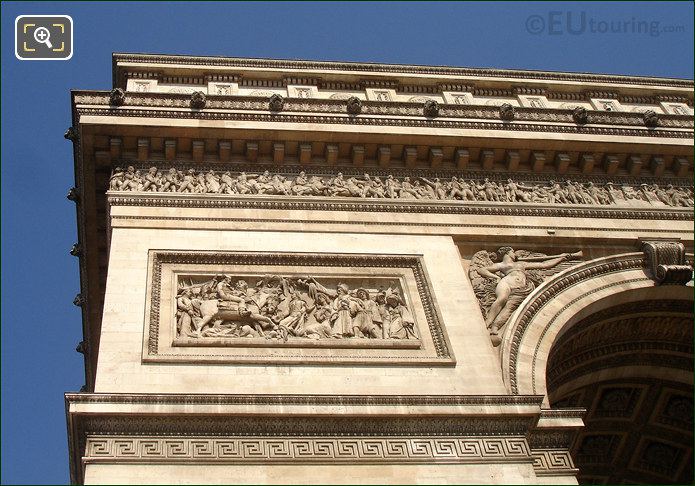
(286, 308)
(501, 286)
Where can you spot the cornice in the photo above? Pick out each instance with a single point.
(297, 399)
(390, 69)
(179, 429)
(398, 114)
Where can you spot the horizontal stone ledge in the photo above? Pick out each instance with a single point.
(331, 122)
(493, 415)
(306, 68)
(313, 400)
(298, 343)
(371, 107)
(125, 198)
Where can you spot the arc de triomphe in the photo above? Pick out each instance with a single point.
(323, 272)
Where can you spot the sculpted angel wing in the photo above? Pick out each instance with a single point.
(483, 287)
(479, 260)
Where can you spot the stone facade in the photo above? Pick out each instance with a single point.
(310, 272)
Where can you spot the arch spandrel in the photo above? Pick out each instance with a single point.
(566, 298)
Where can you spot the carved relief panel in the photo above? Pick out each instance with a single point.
(501, 280)
(292, 308)
(201, 181)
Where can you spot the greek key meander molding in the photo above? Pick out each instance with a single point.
(326, 450)
(460, 438)
(553, 462)
(443, 355)
(391, 68)
(533, 307)
(306, 450)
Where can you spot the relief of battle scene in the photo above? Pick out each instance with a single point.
(565, 192)
(290, 308)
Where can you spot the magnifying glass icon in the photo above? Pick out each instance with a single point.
(43, 36)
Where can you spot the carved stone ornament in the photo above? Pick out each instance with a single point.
(666, 259)
(81, 347)
(71, 134)
(72, 194)
(580, 115)
(507, 112)
(309, 450)
(431, 108)
(76, 250)
(196, 181)
(354, 105)
(289, 308)
(78, 301)
(502, 280)
(198, 100)
(276, 103)
(651, 118)
(357, 309)
(117, 97)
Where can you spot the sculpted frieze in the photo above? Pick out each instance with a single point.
(290, 308)
(503, 279)
(568, 192)
(284, 308)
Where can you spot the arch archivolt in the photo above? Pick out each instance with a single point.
(567, 298)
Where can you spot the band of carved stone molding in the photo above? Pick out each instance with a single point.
(553, 462)
(463, 438)
(323, 450)
(617, 121)
(194, 181)
(666, 260)
(303, 450)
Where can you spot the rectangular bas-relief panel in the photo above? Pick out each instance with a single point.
(292, 308)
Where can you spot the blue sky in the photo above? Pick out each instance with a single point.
(41, 327)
